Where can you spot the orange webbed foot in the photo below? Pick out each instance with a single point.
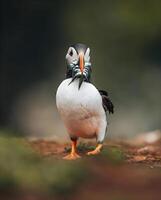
(96, 151)
(72, 156)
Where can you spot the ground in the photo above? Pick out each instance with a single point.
(123, 170)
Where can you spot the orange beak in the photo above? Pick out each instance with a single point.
(81, 62)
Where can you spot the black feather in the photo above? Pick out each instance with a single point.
(68, 73)
(106, 101)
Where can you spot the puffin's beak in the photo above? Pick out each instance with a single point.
(81, 66)
(81, 61)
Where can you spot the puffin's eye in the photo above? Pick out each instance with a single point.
(71, 52)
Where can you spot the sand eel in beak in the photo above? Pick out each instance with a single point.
(83, 108)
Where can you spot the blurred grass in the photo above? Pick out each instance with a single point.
(114, 155)
(82, 147)
(21, 168)
(25, 171)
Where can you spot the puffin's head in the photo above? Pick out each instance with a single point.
(78, 63)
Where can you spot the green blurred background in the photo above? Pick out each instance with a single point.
(125, 42)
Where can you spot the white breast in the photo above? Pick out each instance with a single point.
(81, 109)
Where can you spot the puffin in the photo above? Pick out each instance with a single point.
(83, 108)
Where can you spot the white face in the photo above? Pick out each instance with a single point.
(72, 56)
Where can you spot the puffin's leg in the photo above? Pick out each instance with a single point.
(100, 139)
(73, 154)
(97, 150)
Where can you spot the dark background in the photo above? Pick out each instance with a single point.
(125, 42)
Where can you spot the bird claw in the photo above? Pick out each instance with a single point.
(72, 156)
(94, 152)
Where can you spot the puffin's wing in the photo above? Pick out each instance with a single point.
(107, 103)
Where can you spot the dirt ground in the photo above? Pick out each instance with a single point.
(135, 174)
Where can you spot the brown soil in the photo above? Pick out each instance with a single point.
(145, 154)
(137, 177)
